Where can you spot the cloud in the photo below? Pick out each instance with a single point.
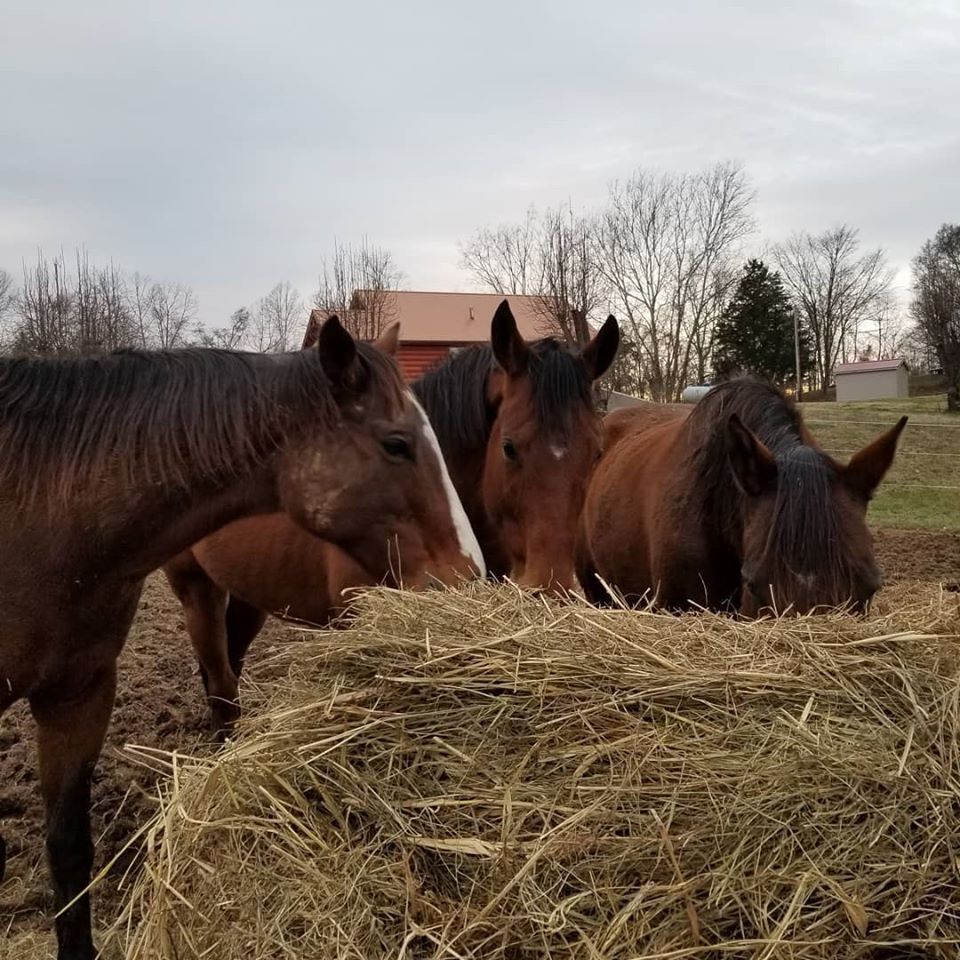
(226, 144)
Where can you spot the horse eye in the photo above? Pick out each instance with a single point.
(397, 446)
(510, 451)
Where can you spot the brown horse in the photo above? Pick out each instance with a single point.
(518, 430)
(733, 506)
(110, 466)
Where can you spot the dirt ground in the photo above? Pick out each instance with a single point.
(160, 704)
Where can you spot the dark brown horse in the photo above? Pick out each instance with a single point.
(518, 430)
(110, 466)
(733, 506)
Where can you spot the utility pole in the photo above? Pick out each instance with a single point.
(796, 346)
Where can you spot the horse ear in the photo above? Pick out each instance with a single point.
(389, 340)
(867, 468)
(338, 354)
(600, 352)
(508, 346)
(753, 465)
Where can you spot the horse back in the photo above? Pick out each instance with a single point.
(639, 530)
(630, 421)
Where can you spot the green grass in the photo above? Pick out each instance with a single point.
(922, 488)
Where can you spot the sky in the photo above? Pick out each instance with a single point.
(226, 145)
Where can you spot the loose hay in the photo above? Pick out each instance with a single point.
(476, 774)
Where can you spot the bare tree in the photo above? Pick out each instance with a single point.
(507, 258)
(101, 318)
(171, 309)
(835, 289)
(551, 257)
(276, 320)
(571, 285)
(231, 337)
(45, 309)
(912, 345)
(8, 302)
(138, 305)
(358, 285)
(936, 303)
(666, 245)
(85, 309)
(8, 294)
(80, 310)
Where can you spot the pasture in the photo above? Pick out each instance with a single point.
(161, 709)
(922, 488)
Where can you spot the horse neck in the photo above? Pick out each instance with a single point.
(464, 461)
(138, 524)
(168, 521)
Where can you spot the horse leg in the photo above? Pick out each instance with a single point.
(3, 843)
(204, 604)
(244, 622)
(71, 725)
(595, 592)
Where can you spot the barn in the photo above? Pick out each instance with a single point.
(432, 324)
(872, 379)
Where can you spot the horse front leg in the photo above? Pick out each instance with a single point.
(204, 609)
(244, 622)
(71, 724)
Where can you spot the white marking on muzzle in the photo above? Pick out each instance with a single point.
(469, 545)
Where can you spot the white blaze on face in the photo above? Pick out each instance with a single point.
(469, 545)
(558, 452)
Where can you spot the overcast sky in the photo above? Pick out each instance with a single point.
(224, 145)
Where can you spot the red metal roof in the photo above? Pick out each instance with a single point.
(456, 318)
(869, 366)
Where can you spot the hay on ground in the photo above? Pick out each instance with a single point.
(477, 774)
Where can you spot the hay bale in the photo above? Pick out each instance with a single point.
(477, 774)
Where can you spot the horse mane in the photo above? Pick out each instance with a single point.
(803, 533)
(454, 394)
(175, 417)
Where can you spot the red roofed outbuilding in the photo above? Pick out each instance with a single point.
(872, 379)
(434, 324)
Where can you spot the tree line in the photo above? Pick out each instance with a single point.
(669, 254)
(666, 254)
(76, 307)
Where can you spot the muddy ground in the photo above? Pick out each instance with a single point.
(160, 704)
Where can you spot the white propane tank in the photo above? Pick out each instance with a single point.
(695, 392)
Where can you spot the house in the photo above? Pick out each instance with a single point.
(434, 324)
(872, 379)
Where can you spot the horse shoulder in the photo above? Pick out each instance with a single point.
(633, 421)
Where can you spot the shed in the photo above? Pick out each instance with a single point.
(432, 324)
(872, 379)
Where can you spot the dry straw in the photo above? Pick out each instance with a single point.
(482, 775)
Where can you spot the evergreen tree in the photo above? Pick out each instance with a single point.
(755, 334)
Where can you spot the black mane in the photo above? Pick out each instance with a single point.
(154, 416)
(803, 534)
(454, 393)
